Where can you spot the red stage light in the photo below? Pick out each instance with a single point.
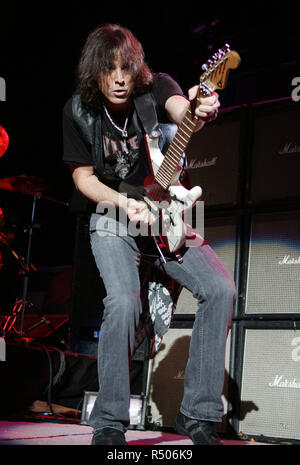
(4, 141)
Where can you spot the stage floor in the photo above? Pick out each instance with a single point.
(51, 433)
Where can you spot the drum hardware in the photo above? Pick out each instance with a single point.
(23, 184)
(45, 321)
(32, 186)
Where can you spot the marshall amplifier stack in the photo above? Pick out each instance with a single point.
(251, 174)
(265, 364)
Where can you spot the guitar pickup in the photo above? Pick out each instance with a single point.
(151, 205)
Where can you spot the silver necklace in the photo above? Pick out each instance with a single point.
(124, 130)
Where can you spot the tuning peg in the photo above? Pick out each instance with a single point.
(226, 48)
(217, 56)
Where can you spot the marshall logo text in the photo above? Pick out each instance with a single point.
(2, 89)
(194, 164)
(287, 260)
(280, 382)
(289, 148)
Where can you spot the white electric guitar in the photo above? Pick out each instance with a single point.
(164, 188)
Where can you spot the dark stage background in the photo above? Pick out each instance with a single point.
(39, 49)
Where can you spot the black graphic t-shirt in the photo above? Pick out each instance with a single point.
(121, 154)
(123, 157)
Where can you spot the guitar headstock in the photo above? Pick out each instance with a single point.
(216, 70)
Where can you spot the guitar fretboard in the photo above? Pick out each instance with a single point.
(176, 149)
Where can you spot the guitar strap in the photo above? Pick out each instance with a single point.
(146, 111)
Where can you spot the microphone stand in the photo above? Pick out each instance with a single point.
(26, 268)
(26, 275)
(20, 305)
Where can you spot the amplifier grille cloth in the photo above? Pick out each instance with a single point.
(270, 392)
(273, 284)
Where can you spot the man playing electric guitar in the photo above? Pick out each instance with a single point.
(104, 144)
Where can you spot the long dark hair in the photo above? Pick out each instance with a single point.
(98, 56)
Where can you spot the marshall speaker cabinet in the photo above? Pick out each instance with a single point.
(166, 377)
(275, 153)
(272, 271)
(215, 157)
(267, 380)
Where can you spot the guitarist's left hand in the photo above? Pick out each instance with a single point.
(206, 108)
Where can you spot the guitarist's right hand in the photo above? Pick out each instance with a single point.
(138, 212)
(89, 185)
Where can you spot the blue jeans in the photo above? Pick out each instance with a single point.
(201, 272)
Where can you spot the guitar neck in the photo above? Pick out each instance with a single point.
(215, 77)
(176, 149)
